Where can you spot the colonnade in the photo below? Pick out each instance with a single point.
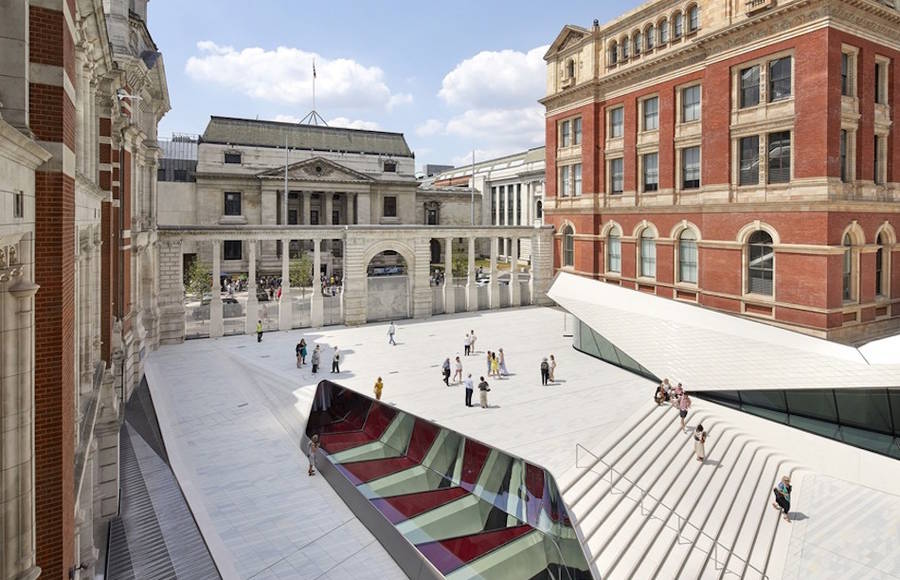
(361, 244)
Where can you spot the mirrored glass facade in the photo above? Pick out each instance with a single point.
(866, 418)
(471, 510)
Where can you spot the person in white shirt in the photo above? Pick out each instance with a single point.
(472, 339)
(391, 331)
(467, 345)
(457, 371)
(470, 388)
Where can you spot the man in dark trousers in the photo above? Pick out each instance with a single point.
(259, 331)
(336, 361)
(470, 386)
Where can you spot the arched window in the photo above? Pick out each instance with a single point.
(614, 251)
(650, 34)
(648, 253)
(624, 42)
(760, 263)
(664, 31)
(613, 53)
(568, 247)
(539, 212)
(880, 270)
(687, 257)
(847, 272)
(570, 68)
(678, 27)
(637, 40)
(693, 18)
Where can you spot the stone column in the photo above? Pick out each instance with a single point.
(327, 207)
(304, 208)
(95, 306)
(216, 323)
(252, 303)
(493, 284)
(285, 308)
(515, 296)
(80, 104)
(171, 292)
(497, 205)
(514, 204)
(316, 313)
(423, 296)
(541, 264)
(364, 208)
(449, 286)
(471, 284)
(16, 405)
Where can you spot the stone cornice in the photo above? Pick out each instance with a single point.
(20, 149)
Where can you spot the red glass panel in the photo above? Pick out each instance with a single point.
(448, 555)
(420, 441)
(474, 457)
(364, 471)
(400, 507)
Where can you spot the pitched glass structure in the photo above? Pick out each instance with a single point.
(470, 510)
(866, 418)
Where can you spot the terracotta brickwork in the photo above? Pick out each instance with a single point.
(809, 213)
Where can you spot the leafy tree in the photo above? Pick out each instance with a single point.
(199, 278)
(301, 271)
(460, 266)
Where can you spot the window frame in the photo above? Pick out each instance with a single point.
(882, 280)
(882, 80)
(654, 115)
(576, 131)
(743, 103)
(741, 161)
(228, 158)
(663, 31)
(228, 208)
(647, 241)
(773, 81)
(228, 248)
(678, 26)
(614, 234)
(847, 266)
(645, 185)
(612, 175)
(694, 106)
(565, 133)
(576, 179)
(684, 168)
(783, 160)
(568, 243)
(613, 112)
(565, 177)
(693, 18)
(387, 202)
(680, 257)
(750, 269)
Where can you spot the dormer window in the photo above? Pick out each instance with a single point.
(390, 167)
(233, 157)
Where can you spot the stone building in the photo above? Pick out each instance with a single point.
(335, 176)
(739, 155)
(82, 88)
(513, 192)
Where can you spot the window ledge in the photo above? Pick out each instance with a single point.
(233, 220)
(754, 297)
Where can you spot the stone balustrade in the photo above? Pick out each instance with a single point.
(360, 244)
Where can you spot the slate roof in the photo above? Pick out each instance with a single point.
(257, 133)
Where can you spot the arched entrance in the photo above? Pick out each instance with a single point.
(388, 286)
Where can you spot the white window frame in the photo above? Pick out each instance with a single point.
(610, 178)
(681, 93)
(852, 70)
(610, 113)
(639, 246)
(644, 102)
(883, 84)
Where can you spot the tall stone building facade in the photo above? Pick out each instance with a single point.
(82, 88)
(739, 155)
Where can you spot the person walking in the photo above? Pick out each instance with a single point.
(378, 387)
(552, 369)
(700, 442)
(302, 351)
(495, 366)
(483, 390)
(467, 345)
(445, 370)
(470, 387)
(490, 357)
(457, 371)
(315, 359)
(391, 331)
(311, 454)
(683, 405)
(502, 363)
(782, 493)
(297, 354)
(472, 339)
(660, 395)
(336, 361)
(545, 372)
(259, 331)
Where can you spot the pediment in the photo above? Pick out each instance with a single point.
(567, 37)
(317, 169)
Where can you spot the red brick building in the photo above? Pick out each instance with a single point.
(740, 155)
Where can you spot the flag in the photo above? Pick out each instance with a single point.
(314, 69)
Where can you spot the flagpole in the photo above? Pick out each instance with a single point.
(472, 203)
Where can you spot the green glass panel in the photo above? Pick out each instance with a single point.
(814, 403)
(894, 395)
(772, 400)
(823, 428)
(864, 408)
(877, 442)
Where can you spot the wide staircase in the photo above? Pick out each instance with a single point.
(645, 508)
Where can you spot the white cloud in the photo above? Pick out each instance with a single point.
(353, 124)
(286, 119)
(524, 126)
(464, 159)
(284, 75)
(429, 128)
(496, 79)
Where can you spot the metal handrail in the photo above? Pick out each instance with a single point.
(682, 521)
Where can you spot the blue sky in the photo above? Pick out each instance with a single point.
(451, 77)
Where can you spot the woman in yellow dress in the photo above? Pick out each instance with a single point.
(378, 387)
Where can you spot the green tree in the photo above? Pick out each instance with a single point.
(301, 271)
(460, 266)
(199, 279)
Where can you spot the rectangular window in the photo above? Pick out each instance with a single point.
(313, 217)
(19, 204)
(679, 25)
(563, 184)
(845, 75)
(577, 178)
(565, 134)
(614, 251)
(576, 131)
(687, 259)
(690, 168)
(493, 206)
(881, 79)
(161, 174)
(180, 175)
(780, 79)
(336, 216)
(876, 159)
(390, 167)
(651, 171)
(233, 157)
(651, 114)
(617, 122)
(780, 157)
(232, 203)
(231, 249)
(750, 87)
(390, 206)
(844, 172)
(690, 104)
(617, 175)
(648, 257)
(749, 160)
(292, 217)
